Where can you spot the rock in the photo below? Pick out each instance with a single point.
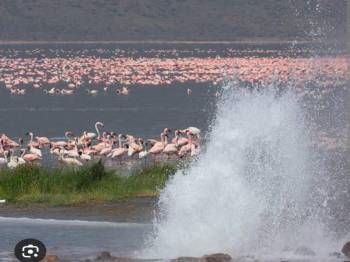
(346, 249)
(50, 258)
(219, 257)
(105, 256)
(304, 251)
(187, 259)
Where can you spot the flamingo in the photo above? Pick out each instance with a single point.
(69, 160)
(192, 130)
(92, 135)
(35, 150)
(84, 156)
(158, 147)
(121, 150)
(170, 149)
(4, 160)
(135, 148)
(92, 92)
(13, 162)
(179, 140)
(123, 91)
(67, 92)
(31, 141)
(20, 159)
(52, 91)
(42, 140)
(144, 152)
(30, 157)
(186, 149)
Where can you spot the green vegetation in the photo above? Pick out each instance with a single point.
(56, 186)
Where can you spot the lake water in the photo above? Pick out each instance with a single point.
(147, 110)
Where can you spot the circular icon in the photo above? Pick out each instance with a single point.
(30, 250)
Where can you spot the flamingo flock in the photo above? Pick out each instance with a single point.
(77, 150)
(64, 75)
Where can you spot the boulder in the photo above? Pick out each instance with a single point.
(187, 259)
(346, 249)
(105, 256)
(219, 257)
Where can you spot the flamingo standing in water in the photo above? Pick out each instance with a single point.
(92, 92)
(84, 156)
(69, 160)
(170, 149)
(187, 148)
(31, 140)
(121, 150)
(52, 91)
(192, 130)
(20, 159)
(123, 91)
(30, 157)
(178, 140)
(3, 160)
(135, 148)
(42, 140)
(91, 135)
(159, 146)
(12, 161)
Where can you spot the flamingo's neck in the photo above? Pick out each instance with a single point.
(120, 142)
(97, 131)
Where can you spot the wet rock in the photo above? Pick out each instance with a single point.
(50, 258)
(346, 249)
(187, 259)
(304, 251)
(105, 256)
(219, 257)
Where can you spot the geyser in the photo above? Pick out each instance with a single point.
(251, 191)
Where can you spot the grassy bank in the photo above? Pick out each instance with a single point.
(55, 186)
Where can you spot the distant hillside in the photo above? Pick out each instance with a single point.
(108, 20)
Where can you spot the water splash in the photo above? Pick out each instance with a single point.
(251, 191)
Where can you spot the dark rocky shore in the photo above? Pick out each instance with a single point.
(218, 257)
(106, 256)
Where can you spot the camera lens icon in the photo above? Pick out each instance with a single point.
(30, 250)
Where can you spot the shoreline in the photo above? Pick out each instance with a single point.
(263, 41)
(126, 210)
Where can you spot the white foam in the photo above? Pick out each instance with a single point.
(250, 191)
